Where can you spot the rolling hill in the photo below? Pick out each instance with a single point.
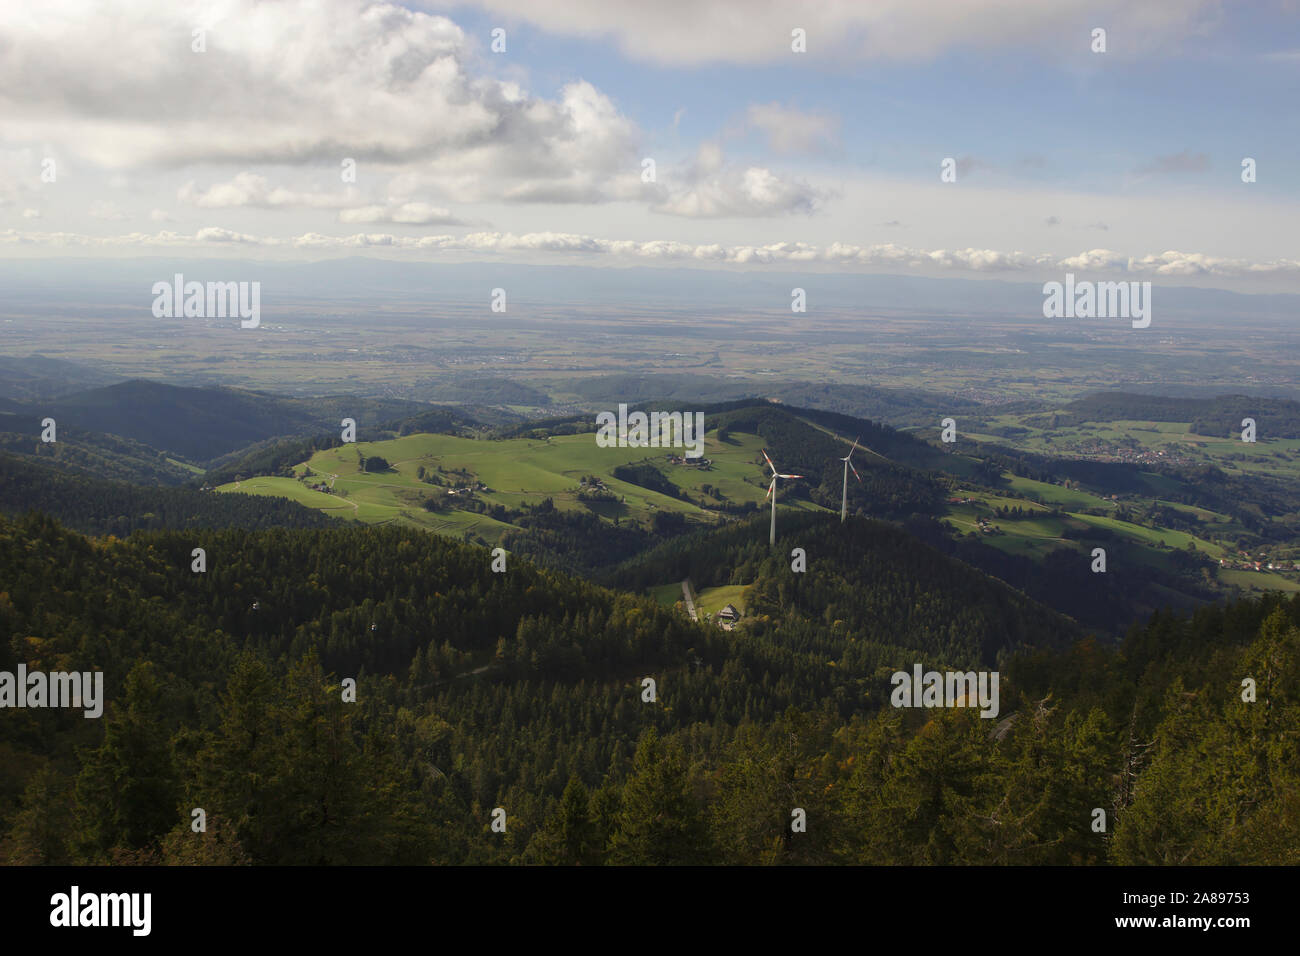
(200, 424)
(99, 506)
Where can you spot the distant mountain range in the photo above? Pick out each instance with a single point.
(363, 279)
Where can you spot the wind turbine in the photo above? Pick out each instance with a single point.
(771, 493)
(844, 500)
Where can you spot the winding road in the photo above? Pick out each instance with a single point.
(689, 599)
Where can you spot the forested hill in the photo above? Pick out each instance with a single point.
(92, 454)
(896, 467)
(523, 690)
(1218, 416)
(200, 424)
(98, 506)
(887, 489)
(814, 450)
(870, 591)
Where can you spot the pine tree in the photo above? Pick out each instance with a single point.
(661, 821)
(127, 792)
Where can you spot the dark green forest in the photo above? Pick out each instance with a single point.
(523, 690)
(100, 506)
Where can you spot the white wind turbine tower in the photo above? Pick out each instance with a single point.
(771, 493)
(844, 500)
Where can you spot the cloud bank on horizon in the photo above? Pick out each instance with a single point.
(934, 136)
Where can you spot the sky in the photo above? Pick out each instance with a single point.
(148, 127)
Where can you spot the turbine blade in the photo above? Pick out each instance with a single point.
(770, 488)
(769, 462)
(855, 446)
(855, 472)
(789, 476)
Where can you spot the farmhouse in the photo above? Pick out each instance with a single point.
(729, 613)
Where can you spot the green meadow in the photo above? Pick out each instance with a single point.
(713, 600)
(518, 472)
(1276, 457)
(1042, 531)
(667, 594)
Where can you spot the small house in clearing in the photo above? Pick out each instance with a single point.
(729, 613)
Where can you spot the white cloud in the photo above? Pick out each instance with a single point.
(754, 191)
(890, 256)
(578, 149)
(217, 234)
(1095, 260)
(688, 32)
(160, 215)
(709, 189)
(407, 213)
(250, 189)
(298, 82)
(31, 214)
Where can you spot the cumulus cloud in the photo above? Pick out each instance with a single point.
(708, 188)
(220, 235)
(298, 82)
(250, 189)
(1095, 260)
(406, 214)
(844, 255)
(1175, 263)
(754, 191)
(577, 149)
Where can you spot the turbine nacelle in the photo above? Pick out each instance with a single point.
(847, 459)
(771, 491)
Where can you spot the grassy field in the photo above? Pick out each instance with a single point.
(713, 600)
(667, 594)
(295, 491)
(1276, 457)
(1056, 494)
(523, 472)
(516, 472)
(1258, 582)
(1155, 536)
(1041, 531)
